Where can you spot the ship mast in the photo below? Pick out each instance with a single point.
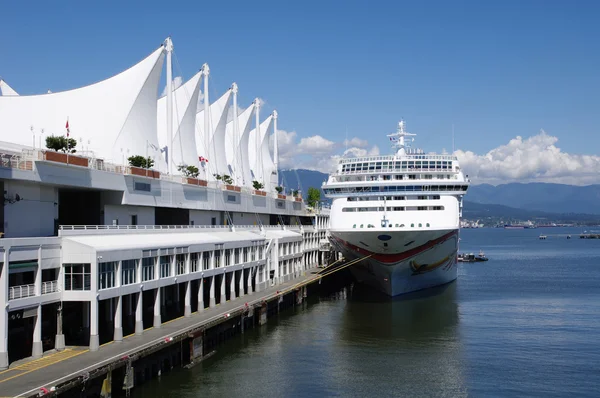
(397, 138)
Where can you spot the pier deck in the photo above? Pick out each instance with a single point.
(26, 378)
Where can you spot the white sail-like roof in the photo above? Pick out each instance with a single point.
(259, 154)
(213, 142)
(5, 89)
(237, 152)
(115, 118)
(185, 100)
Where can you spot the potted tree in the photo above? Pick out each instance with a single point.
(63, 149)
(190, 175)
(296, 195)
(140, 166)
(280, 194)
(258, 186)
(229, 183)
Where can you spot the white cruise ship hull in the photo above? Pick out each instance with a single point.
(400, 262)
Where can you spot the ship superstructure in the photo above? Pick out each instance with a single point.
(402, 212)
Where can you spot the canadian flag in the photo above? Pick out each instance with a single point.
(67, 127)
(203, 159)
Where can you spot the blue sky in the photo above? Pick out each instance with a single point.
(495, 70)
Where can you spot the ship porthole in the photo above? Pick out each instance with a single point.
(384, 237)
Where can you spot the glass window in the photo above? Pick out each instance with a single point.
(206, 260)
(165, 266)
(77, 277)
(128, 271)
(194, 262)
(148, 268)
(106, 273)
(180, 264)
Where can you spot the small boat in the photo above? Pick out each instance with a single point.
(472, 258)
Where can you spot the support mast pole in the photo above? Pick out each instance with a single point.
(205, 73)
(236, 134)
(257, 144)
(169, 49)
(275, 150)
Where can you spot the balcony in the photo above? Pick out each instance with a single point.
(50, 287)
(19, 292)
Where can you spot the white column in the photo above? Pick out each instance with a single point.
(93, 319)
(241, 284)
(37, 349)
(250, 280)
(232, 286)
(213, 281)
(139, 313)
(157, 319)
(59, 341)
(187, 311)
(256, 279)
(201, 295)
(223, 297)
(118, 335)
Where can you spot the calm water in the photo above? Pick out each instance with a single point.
(526, 323)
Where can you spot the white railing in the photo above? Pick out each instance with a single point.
(422, 156)
(17, 292)
(20, 162)
(50, 287)
(159, 227)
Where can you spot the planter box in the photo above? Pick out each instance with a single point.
(233, 188)
(195, 181)
(138, 171)
(280, 196)
(298, 199)
(64, 158)
(260, 193)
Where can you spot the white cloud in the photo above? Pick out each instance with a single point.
(315, 145)
(356, 142)
(177, 81)
(536, 158)
(316, 152)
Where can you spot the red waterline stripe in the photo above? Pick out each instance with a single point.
(394, 258)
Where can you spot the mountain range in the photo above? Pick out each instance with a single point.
(513, 200)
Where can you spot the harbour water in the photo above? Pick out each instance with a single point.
(524, 323)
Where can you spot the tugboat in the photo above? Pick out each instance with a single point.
(472, 258)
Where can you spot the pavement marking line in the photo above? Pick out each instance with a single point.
(36, 361)
(41, 367)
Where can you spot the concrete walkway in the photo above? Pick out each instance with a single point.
(27, 378)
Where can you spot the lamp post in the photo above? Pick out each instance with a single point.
(33, 133)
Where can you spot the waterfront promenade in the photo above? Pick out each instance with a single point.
(27, 378)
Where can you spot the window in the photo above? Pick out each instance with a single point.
(142, 186)
(165, 266)
(148, 268)
(231, 198)
(245, 252)
(217, 258)
(227, 257)
(77, 277)
(206, 260)
(213, 221)
(236, 256)
(180, 264)
(134, 219)
(128, 272)
(194, 262)
(106, 273)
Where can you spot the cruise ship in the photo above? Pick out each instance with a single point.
(400, 213)
(142, 208)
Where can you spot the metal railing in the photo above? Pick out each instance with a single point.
(50, 287)
(17, 292)
(159, 227)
